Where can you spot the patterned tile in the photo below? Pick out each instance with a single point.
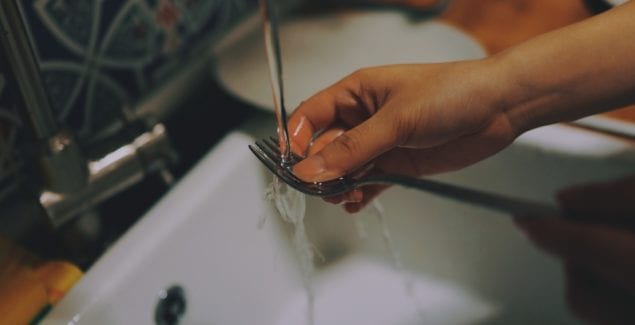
(10, 125)
(96, 56)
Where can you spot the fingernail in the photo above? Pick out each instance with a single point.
(296, 149)
(313, 169)
(355, 196)
(310, 168)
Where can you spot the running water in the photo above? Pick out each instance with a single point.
(272, 47)
(289, 203)
(375, 208)
(291, 207)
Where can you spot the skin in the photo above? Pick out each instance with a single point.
(597, 250)
(424, 119)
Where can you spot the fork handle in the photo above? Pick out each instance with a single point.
(494, 201)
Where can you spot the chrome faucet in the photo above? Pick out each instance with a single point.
(62, 166)
(71, 183)
(148, 153)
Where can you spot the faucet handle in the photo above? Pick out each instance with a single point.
(62, 167)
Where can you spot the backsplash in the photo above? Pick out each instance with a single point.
(10, 124)
(97, 56)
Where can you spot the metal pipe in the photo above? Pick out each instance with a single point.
(150, 152)
(71, 183)
(19, 54)
(61, 162)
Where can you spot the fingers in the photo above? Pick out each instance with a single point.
(607, 251)
(349, 151)
(337, 103)
(355, 200)
(369, 194)
(301, 132)
(325, 138)
(609, 202)
(415, 162)
(317, 113)
(595, 299)
(350, 102)
(353, 196)
(598, 248)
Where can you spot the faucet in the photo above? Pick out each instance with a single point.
(60, 160)
(149, 152)
(70, 183)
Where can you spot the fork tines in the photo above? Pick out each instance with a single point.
(268, 152)
(271, 149)
(272, 144)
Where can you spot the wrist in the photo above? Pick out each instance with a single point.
(499, 92)
(526, 94)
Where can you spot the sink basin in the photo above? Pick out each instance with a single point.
(203, 255)
(319, 49)
(461, 264)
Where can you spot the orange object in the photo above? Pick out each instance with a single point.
(499, 24)
(28, 286)
(57, 277)
(22, 297)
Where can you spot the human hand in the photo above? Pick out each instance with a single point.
(412, 120)
(597, 247)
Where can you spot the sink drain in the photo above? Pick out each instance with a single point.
(171, 306)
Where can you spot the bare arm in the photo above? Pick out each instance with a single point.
(423, 119)
(579, 70)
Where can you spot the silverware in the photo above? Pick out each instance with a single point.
(272, 47)
(268, 153)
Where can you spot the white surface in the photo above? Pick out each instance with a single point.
(571, 141)
(318, 51)
(365, 292)
(469, 265)
(202, 236)
(607, 124)
(617, 2)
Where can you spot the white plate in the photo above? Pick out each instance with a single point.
(319, 50)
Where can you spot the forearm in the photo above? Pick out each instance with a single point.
(579, 70)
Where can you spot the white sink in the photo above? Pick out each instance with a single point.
(319, 49)
(467, 265)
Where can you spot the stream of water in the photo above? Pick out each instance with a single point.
(289, 203)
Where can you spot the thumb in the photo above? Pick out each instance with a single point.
(349, 151)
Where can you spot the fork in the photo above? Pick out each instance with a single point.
(268, 152)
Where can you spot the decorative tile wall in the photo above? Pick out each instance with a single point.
(10, 125)
(98, 55)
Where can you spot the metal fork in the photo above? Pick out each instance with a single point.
(268, 153)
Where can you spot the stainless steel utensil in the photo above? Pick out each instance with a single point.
(268, 152)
